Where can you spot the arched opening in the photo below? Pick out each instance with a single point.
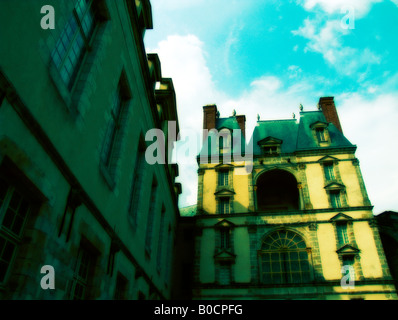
(277, 191)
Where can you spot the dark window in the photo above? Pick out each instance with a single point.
(83, 274)
(121, 287)
(151, 217)
(223, 205)
(113, 135)
(14, 211)
(225, 238)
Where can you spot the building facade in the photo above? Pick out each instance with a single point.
(291, 221)
(76, 191)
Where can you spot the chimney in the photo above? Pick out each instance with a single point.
(329, 110)
(242, 124)
(209, 117)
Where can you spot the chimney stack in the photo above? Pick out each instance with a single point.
(209, 117)
(242, 124)
(329, 110)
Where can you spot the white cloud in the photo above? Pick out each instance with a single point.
(326, 39)
(371, 124)
(361, 7)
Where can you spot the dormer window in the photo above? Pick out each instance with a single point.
(270, 146)
(321, 133)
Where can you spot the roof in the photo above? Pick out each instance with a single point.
(296, 135)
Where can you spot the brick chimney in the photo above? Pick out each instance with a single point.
(329, 110)
(209, 117)
(242, 124)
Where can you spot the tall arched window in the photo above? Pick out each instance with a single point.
(284, 259)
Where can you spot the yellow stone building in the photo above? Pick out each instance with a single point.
(297, 224)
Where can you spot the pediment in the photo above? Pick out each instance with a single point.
(224, 255)
(224, 166)
(270, 141)
(341, 217)
(348, 249)
(224, 223)
(224, 192)
(319, 124)
(335, 186)
(328, 159)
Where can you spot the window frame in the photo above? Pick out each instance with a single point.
(285, 266)
(6, 234)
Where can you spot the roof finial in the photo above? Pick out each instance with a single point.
(294, 115)
(258, 117)
(319, 106)
(234, 113)
(301, 107)
(218, 114)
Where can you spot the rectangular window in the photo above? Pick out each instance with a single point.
(151, 217)
(223, 205)
(335, 199)
(225, 274)
(113, 134)
(348, 264)
(225, 238)
(14, 211)
(83, 272)
(223, 178)
(160, 240)
(320, 134)
(342, 234)
(121, 287)
(74, 41)
(137, 182)
(329, 171)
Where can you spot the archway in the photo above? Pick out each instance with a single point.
(277, 191)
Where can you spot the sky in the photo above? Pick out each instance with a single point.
(266, 57)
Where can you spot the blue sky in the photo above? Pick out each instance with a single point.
(267, 57)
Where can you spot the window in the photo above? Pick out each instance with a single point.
(224, 274)
(83, 272)
(284, 259)
(74, 41)
(320, 134)
(223, 178)
(121, 287)
(223, 205)
(270, 150)
(111, 146)
(14, 211)
(225, 241)
(335, 199)
(329, 171)
(137, 182)
(160, 240)
(342, 235)
(348, 264)
(151, 216)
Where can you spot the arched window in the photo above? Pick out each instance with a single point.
(284, 259)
